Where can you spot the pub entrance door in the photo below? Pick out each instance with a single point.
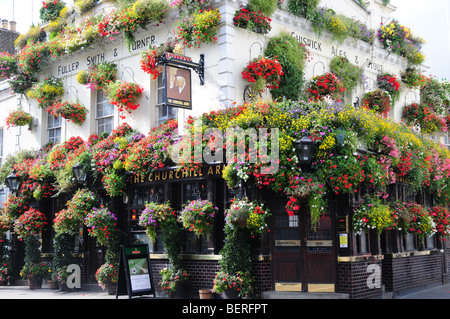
(303, 258)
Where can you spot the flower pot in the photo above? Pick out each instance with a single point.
(180, 291)
(110, 287)
(230, 294)
(205, 294)
(63, 286)
(34, 283)
(52, 284)
(3, 282)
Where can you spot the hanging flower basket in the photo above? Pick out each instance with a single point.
(246, 214)
(19, 118)
(378, 101)
(153, 216)
(199, 27)
(150, 58)
(389, 83)
(263, 72)
(252, 20)
(327, 85)
(73, 112)
(47, 91)
(99, 75)
(124, 95)
(30, 223)
(101, 224)
(198, 217)
(424, 117)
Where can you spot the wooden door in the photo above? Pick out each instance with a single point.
(286, 249)
(303, 258)
(320, 255)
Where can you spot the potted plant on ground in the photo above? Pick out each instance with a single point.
(34, 270)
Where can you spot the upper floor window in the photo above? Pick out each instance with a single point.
(104, 114)
(165, 112)
(54, 128)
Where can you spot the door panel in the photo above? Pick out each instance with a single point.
(301, 254)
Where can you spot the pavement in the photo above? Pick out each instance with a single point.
(23, 292)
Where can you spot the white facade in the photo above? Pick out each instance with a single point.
(224, 62)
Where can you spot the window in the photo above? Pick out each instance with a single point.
(165, 112)
(104, 114)
(54, 128)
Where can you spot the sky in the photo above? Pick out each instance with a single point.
(428, 19)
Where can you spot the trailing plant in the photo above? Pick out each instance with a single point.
(248, 215)
(424, 117)
(101, 74)
(266, 7)
(303, 8)
(349, 74)
(292, 56)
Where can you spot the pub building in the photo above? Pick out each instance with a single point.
(290, 260)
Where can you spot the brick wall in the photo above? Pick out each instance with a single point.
(202, 274)
(403, 274)
(352, 279)
(7, 39)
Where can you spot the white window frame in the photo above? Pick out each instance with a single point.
(103, 120)
(163, 109)
(54, 128)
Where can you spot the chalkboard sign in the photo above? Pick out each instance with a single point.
(135, 273)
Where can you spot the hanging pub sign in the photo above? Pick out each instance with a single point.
(135, 274)
(178, 87)
(177, 75)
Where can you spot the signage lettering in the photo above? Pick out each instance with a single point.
(176, 174)
(68, 68)
(143, 43)
(313, 44)
(170, 56)
(338, 52)
(95, 59)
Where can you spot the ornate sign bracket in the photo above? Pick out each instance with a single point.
(186, 62)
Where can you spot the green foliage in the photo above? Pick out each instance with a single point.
(349, 74)
(267, 7)
(303, 8)
(171, 238)
(63, 245)
(236, 252)
(292, 56)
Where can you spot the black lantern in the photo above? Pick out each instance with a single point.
(80, 173)
(13, 181)
(304, 149)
